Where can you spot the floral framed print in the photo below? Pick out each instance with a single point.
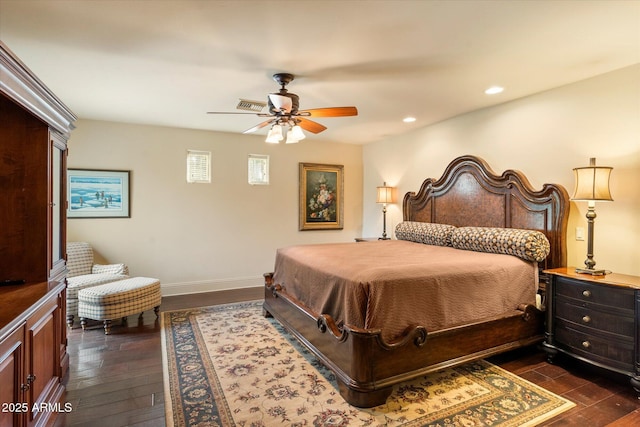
(97, 194)
(321, 196)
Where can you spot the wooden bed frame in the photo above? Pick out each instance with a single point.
(469, 193)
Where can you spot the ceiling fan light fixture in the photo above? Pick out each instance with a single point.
(284, 111)
(280, 102)
(297, 133)
(291, 139)
(275, 135)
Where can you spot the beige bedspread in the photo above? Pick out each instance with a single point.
(395, 283)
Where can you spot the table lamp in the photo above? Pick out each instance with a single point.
(592, 185)
(385, 195)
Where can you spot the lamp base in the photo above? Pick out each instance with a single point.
(591, 271)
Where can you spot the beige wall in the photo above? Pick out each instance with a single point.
(545, 136)
(200, 237)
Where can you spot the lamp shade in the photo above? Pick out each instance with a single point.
(280, 103)
(297, 133)
(592, 182)
(275, 134)
(385, 194)
(291, 138)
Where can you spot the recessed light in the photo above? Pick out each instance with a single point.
(494, 90)
(409, 119)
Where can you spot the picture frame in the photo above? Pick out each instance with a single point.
(321, 197)
(94, 193)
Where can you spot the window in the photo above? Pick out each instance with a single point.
(198, 166)
(258, 169)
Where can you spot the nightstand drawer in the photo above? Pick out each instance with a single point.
(595, 293)
(588, 317)
(611, 352)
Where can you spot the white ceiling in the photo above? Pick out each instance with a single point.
(169, 62)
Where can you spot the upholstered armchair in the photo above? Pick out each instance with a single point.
(83, 273)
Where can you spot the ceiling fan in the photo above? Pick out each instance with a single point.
(283, 111)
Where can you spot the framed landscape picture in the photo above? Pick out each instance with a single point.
(97, 194)
(321, 196)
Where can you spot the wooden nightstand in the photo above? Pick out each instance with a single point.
(595, 319)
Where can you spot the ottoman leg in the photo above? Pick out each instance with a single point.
(83, 323)
(70, 320)
(107, 327)
(156, 309)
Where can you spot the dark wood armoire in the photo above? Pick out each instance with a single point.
(34, 128)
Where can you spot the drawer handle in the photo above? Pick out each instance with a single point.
(586, 319)
(586, 344)
(586, 293)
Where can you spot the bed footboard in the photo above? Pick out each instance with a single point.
(367, 367)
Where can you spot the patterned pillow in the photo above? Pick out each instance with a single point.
(425, 232)
(110, 269)
(529, 245)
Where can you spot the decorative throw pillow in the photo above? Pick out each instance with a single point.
(425, 232)
(110, 269)
(529, 245)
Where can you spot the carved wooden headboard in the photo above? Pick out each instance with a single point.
(469, 193)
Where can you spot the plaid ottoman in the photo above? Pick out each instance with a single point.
(118, 300)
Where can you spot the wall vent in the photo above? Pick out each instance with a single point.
(245, 104)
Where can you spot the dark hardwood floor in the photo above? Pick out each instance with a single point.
(116, 380)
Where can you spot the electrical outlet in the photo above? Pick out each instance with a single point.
(579, 233)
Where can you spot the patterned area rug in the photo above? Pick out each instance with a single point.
(227, 365)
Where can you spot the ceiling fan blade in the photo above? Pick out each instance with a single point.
(259, 126)
(330, 112)
(310, 125)
(228, 112)
(233, 112)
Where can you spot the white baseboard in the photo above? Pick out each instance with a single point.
(170, 289)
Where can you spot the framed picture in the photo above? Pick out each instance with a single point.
(97, 194)
(321, 196)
